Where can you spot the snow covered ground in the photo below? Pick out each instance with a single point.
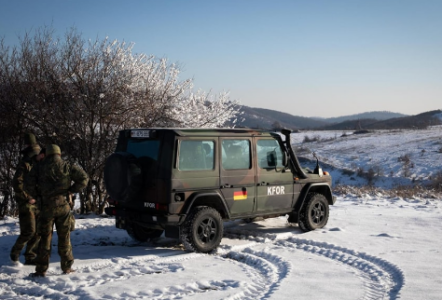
(374, 246)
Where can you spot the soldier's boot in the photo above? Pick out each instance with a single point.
(14, 257)
(38, 274)
(68, 271)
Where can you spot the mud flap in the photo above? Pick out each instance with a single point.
(293, 217)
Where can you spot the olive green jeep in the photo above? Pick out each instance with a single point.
(186, 182)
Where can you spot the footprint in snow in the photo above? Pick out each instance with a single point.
(385, 235)
(335, 229)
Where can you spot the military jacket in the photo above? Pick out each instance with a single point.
(23, 169)
(53, 177)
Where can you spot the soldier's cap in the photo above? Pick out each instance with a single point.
(52, 149)
(30, 139)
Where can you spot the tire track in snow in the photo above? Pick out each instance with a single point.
(382, 279)
(75, 286)
(268, 271)
(116, 269)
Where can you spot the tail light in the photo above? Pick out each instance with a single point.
(162, 207)
(111, 201)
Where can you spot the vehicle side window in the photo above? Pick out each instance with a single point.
(266, 149)
(196, 155)
(235, 154)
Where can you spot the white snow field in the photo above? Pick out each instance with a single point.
(373, 247)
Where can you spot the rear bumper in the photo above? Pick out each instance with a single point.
(147, 220)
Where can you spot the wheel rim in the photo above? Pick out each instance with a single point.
(318, 213)
(207, 230)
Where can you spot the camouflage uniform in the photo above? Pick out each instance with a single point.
(28, 213)
(53, 177)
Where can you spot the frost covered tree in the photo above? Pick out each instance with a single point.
(79, 93)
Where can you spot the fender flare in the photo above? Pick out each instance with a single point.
(323, 188)
(217, 201)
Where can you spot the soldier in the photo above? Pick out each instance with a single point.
(27, 207)
(54, 177)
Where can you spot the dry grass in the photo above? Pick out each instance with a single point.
(415, 191)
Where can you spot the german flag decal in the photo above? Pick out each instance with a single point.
(241, 195)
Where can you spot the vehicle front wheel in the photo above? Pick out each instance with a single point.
(203, 230)
(314, 213)
(142, 234)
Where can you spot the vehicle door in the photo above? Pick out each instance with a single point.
(237, 174)
(275, 183)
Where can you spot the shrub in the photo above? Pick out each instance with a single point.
(404, 158)
(347, 172)
(371, 174)
(308, 139)
(403, 191)
(436, 181)
(407, 164)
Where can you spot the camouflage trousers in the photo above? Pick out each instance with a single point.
(28, 216)
(60, 216)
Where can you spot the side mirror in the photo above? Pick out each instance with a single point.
(285, 160)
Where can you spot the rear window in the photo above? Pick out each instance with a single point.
(144, 148)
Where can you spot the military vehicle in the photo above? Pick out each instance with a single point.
(186, 182)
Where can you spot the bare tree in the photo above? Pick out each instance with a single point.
(79, 94)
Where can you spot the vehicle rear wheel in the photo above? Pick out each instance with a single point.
(142, 234)
(203, 230)
(314, 213)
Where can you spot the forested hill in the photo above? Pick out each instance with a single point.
(253, 117)
(375, 115)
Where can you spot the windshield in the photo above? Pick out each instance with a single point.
(144, 148)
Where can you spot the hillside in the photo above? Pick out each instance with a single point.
(253, 117)
(374, 115)
(419, 121)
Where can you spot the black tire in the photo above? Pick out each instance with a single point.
(203, 230)
(117, 175)
(314, 214)
(142, 234)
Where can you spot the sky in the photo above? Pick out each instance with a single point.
(317, 58)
